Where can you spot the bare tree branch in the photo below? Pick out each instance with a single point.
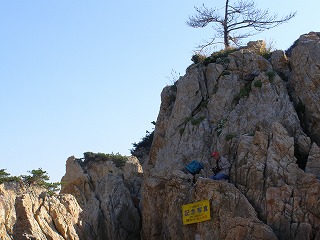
(203, 17)
(237, 16)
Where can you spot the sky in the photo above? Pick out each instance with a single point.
(86, 75)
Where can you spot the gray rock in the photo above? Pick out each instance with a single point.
(304, 82)
(29, 213)
(241, 108)
(108, 195)
(258, 113)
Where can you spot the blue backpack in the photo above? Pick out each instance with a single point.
(194, 167)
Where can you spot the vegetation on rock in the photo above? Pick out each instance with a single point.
(117, 158)
(220, 57)
(244, 92)
(38, 177)
(5, 177)
(143, 147)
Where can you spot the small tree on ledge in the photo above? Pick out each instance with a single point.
(235, 17)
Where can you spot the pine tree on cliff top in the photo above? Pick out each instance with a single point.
(229, 21)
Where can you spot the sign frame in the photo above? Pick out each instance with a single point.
(196, 212)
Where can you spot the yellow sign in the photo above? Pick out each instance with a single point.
(196, 212)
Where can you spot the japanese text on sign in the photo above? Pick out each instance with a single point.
(196, 212)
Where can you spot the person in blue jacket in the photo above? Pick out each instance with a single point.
(222, 169)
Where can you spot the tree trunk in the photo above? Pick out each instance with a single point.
(225, 27)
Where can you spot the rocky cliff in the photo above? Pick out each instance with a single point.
(108, 195)
(261, 112)
(99, 200)
(30, 213)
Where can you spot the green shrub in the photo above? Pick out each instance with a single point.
(173, 87)
(266, 53)
(220, 57)
(198, 58)
(288, 52)
(225, 72)
(3, 173)
(244, 92)
(194, 121)
(271, 75)
(220, 126)
(204, 103)
(181, 131)
(188, 119)
(144, 146)
(52, 187)
(117, 158)
(251, 134)
(257, 83)
(223, 60)
(5, 177)
(38, 177)
(215, 89)
(229, 136)
(197, 121)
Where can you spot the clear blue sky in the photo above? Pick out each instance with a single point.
(86, 75)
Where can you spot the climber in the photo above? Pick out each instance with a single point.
(221, 171)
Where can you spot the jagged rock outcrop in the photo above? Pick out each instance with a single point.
(284, 196)
(240, 105)
(162, 217)
(262, 114)
(30, 213)
(305, 82)
(104, 204)
(313, 161)
(108, 195)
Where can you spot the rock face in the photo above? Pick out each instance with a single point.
(285, 197)
(233, 217)
(33, 214)
(108, 196)
(262, 114)
(241, 106)
(305, 75)
(104, 205)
